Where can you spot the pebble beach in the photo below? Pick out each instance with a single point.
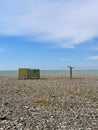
(49, 103)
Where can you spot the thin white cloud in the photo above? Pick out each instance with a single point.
(93, 48)
(93, 58)
(65, 59)
(2, 50)
(65, 23)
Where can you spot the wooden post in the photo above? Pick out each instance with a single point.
(70, 71)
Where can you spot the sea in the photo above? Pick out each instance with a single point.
(54, 73)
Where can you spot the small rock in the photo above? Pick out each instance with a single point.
(3, 117)
(26, 107)
(6, 103)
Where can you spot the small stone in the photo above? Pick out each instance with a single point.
(6, 103)
(21, 118)
(3, 117)
(26, 107)
(81, 129)
(1, 129)
(26, 129)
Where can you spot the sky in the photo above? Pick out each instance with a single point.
(48, 34)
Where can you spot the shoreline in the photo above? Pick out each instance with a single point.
(52, 77)
(53, 73)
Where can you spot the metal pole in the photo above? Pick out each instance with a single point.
(70, 71)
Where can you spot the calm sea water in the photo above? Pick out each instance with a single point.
(55, 73)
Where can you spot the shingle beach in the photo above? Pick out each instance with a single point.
(49, 103)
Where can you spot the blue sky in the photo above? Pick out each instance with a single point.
(48, 34)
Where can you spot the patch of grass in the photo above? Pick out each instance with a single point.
(45, 102)
(42, 102)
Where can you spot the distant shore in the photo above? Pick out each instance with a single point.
(49, 103)
(54, 73)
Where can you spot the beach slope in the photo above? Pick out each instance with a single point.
(49, 103)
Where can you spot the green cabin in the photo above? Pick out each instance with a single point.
(34, 73)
